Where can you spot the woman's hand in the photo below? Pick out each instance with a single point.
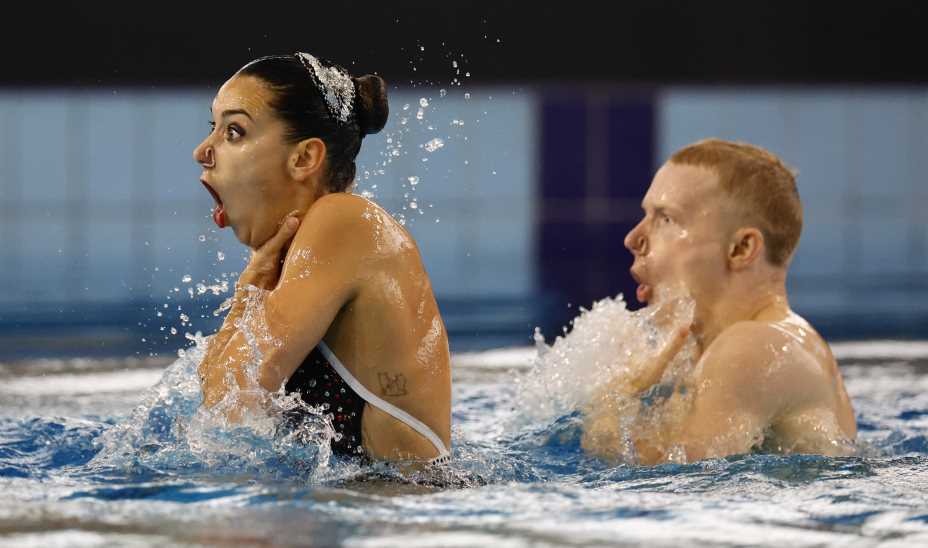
(264, 267)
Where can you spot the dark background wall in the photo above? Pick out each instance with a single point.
(656, 41)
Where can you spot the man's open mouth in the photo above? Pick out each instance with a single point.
(644, 290)
(219, 212)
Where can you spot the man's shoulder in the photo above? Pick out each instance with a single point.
(749, 349)
(751, 337)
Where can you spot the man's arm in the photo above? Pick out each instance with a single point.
(602, 435)
(738, 390)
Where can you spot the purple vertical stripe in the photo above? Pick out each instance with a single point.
(597, 158)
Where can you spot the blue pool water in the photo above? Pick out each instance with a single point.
(91, 454)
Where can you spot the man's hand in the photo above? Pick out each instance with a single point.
(601, 431)
(651, 373)
(264, 267)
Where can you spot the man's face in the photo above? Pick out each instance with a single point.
(244, 161)
(680, 244)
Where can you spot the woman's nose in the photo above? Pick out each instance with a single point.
(203, 154)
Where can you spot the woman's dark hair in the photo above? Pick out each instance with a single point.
(300, 103)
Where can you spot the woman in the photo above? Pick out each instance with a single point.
(346, 318)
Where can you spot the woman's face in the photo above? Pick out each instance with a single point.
(245, 162)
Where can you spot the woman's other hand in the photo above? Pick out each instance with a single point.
(264, 267)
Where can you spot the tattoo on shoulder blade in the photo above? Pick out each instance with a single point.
(392, 385)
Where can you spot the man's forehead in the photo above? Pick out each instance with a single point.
(680, 186)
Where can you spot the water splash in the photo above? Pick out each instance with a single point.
(170, 432)
(606, 343)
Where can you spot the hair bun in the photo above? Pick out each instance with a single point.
(371, 103)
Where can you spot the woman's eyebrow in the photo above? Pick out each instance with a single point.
(230, 112)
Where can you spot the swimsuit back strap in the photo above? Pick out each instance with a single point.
(384, 406)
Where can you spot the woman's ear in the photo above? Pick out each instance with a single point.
(747, 244)
(307, 159)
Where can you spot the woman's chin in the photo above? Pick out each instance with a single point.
(254, 237)
(241, 233)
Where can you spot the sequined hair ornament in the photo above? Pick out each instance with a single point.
(334, 83)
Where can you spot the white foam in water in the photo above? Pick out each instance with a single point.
(605, 342)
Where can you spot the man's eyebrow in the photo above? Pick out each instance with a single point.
(662, 209)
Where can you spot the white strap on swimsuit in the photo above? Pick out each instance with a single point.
(443, 454)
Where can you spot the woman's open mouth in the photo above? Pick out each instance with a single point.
(219, 212)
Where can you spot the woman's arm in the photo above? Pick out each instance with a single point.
(281, 312)
(262, 272)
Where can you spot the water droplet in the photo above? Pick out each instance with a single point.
(434, 144)
(202, 237)
(442, 92)
(420, 114)
(454, 64)
(173, 331)
(406, 106)
(467, 96)
(413, 180)
(413, 205)
(423, 102)
(186, 279)
(220, 256)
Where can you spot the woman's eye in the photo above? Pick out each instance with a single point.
(233, 132)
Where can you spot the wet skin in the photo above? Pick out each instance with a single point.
(334, 267)
(763, 374)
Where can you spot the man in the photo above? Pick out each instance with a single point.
(721, 223)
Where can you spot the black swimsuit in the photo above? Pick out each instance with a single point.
(318, 383)
(323, 380)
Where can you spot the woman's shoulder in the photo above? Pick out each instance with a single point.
(339, 204)
(355, 217)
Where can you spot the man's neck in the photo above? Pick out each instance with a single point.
(738, 306)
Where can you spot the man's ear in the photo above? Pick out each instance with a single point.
(307, 158)
(745, 247)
